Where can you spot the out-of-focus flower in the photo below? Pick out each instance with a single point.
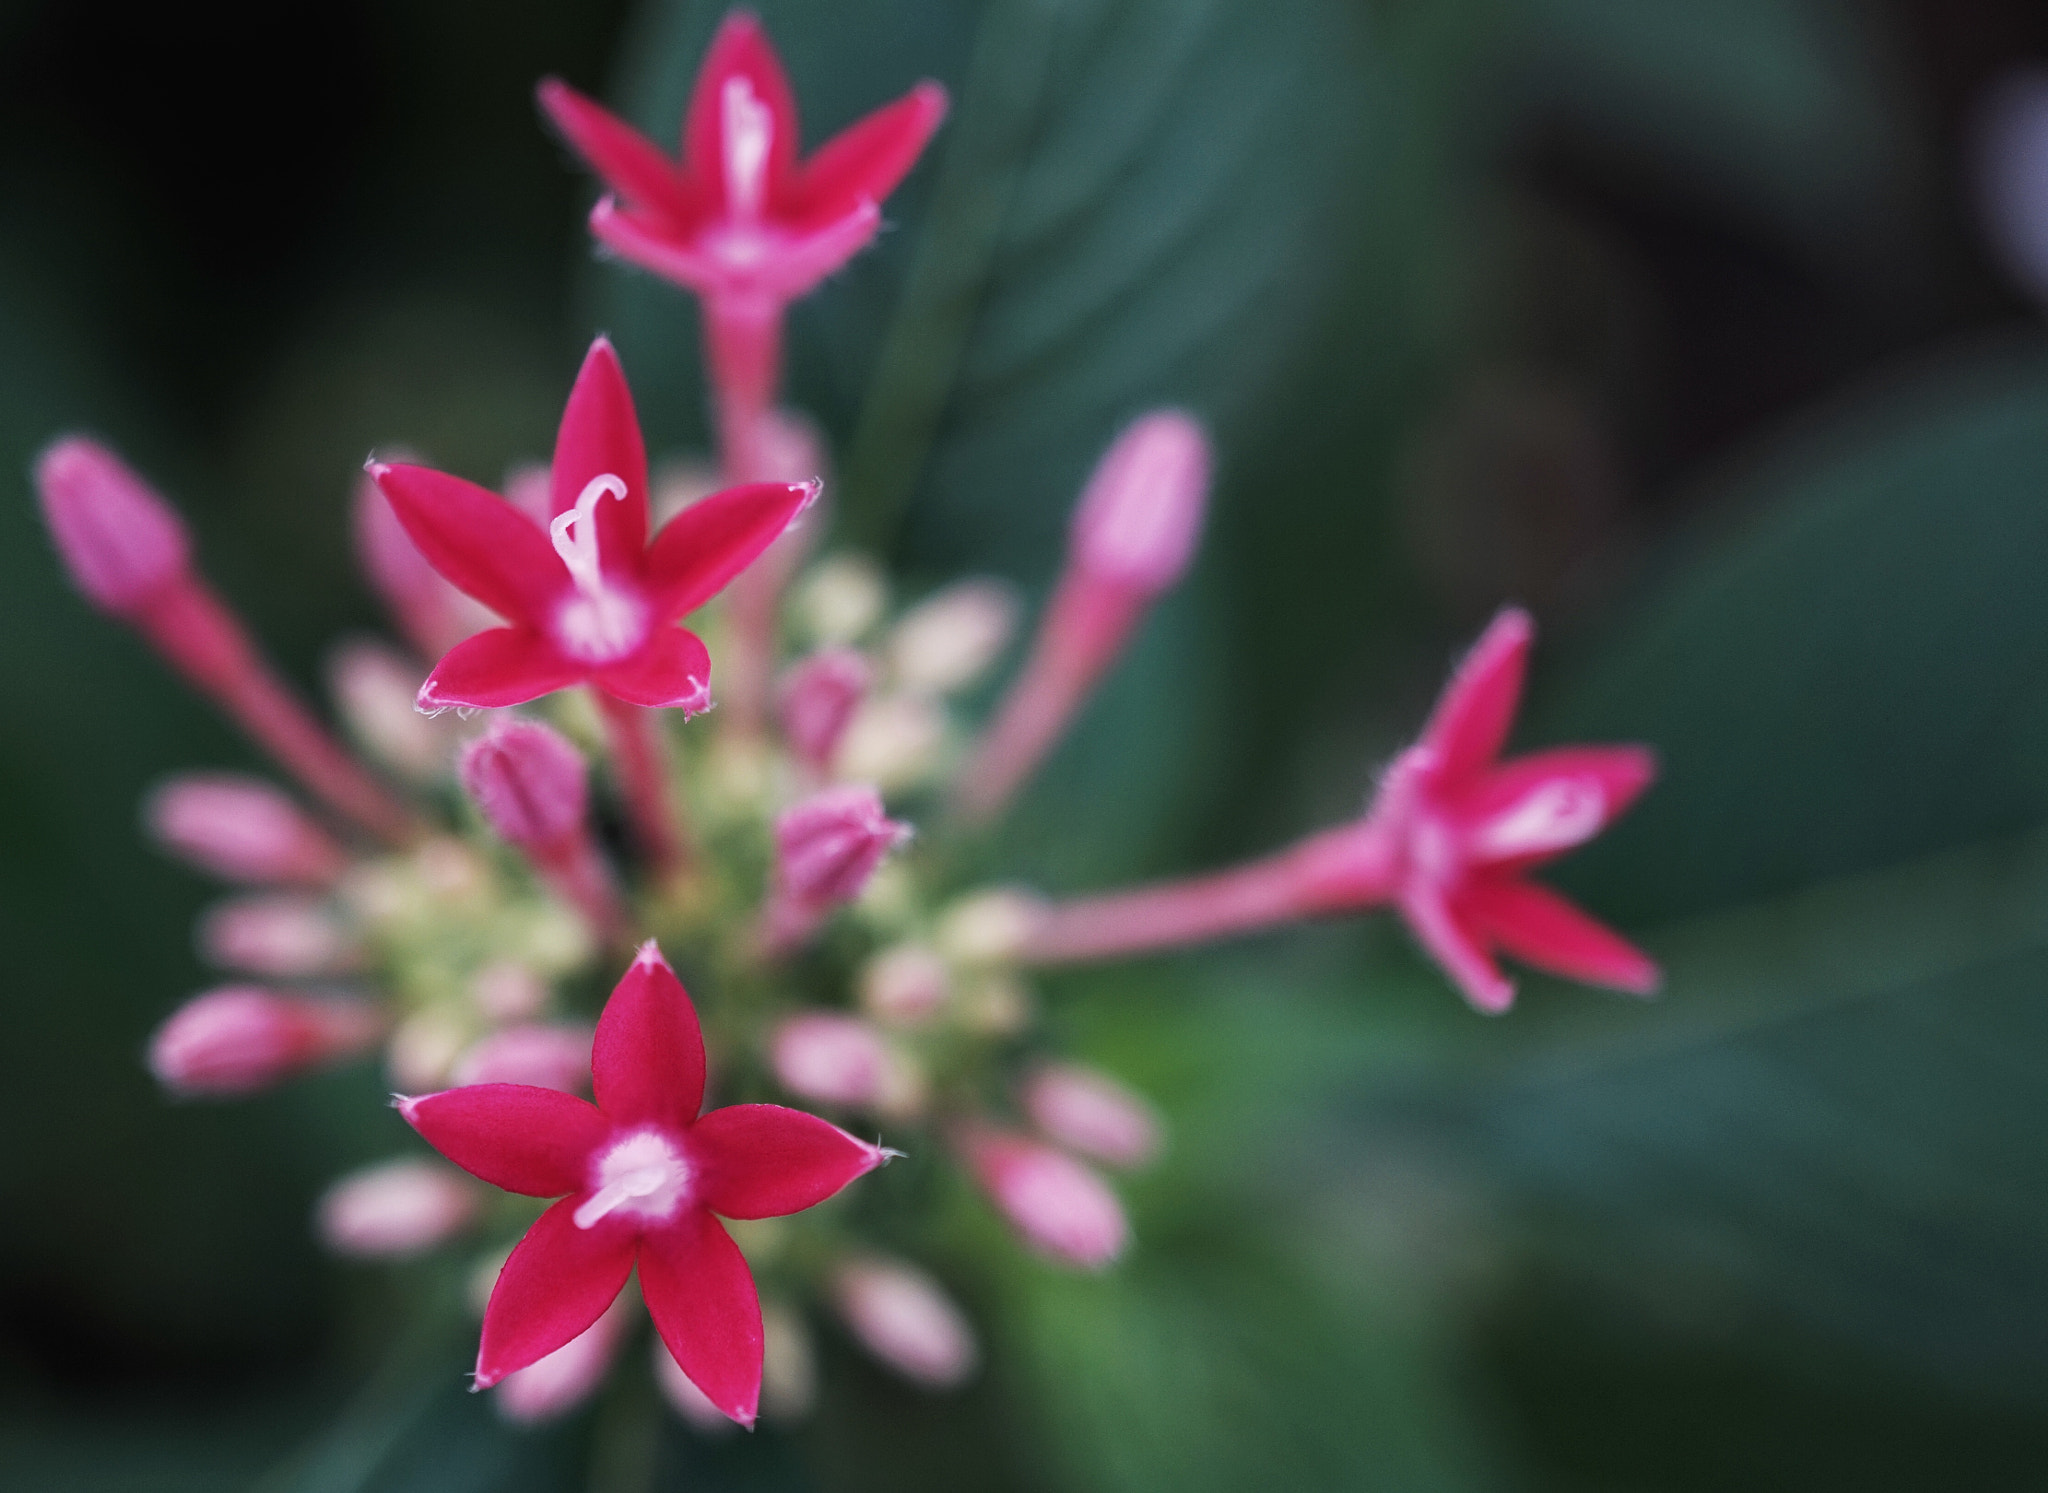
(241, 1038)
(534, 790)
(432, 614)
(903, 1317)
(280, 934)
(949, 640)
(241, 829)
(546, 1056)
(826, 848)
(831, 1058)
(817, 702)
(557, 1382)
(1061, 1208)
(643, 1174)
(1091, 1113)
(395, 1209)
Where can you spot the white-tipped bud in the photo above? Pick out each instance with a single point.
(1141, 513)
(122, 543)
(841, 599)
(278, 934)
(906, 985)
(395, 1210)
(893, 742)
(374, 690)
(948, 641)
(1093, 1114)
(543, 1056)
(1061, 1208)
(240, 829)
(903, 1317)
(553, 1386)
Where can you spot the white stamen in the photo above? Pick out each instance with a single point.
(749, 133)
(601, 622)
(575, 532)
(1558, 815)
(641, 1175)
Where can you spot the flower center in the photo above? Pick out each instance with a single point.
(749, 133)
(600, 621)
(640, 1176)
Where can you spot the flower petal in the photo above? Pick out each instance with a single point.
(1457, 949)
(867, 159)
(600, 436)
(558, 1281)
(648, 1060)
(504, 666)
(630, 163)
(702, 1298)
(762, 1161)
(1539, 806)
(672, 670)
(523, 1139)
(478, 541)
(740, 50)
(702, 548)
(1471, 720)
(1539, 927)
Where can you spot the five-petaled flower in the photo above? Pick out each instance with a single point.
(643, 1175)
(739, 217)
(588, 597)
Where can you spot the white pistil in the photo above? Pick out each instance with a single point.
(575, 532)
(1558, 815)
(641, 1176)
(599, 623)
(749, 135)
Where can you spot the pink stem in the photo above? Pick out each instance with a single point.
(577, 873)
(1084, 629)
(640, 758)
(197, 633)
(743, 349)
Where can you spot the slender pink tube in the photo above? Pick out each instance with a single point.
(640, 758)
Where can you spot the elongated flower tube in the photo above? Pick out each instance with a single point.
(826, 848)
(738, 219)
(1059, 1207)
(240, 829)
(1133, 535)
(903, 1317)
(241, 1038)
(640, 1174)
(533, 789)
(1449, 841)
(128, 553)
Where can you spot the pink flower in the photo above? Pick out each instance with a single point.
(240, 1038)
(1060, 1207)
(588, 598)
(395, 1210)
(643, 1174)
(1454, 832)
(826, 848)
(740, 216)
(241, 829)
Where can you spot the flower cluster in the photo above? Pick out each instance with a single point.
(446, 902)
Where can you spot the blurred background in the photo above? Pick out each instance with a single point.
(1710, 329)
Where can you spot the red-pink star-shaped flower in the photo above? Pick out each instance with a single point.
(740, 216)
(1454, 832)
(640, 1175)
(588, 597)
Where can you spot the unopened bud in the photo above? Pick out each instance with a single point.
(374, 689)
(121, 542)
(553, 1386)
(1061, 1208)
(946, 642)
(789, 1365)
(989, 928)
(508, 991)
(1141, 513)
(432, 614)
(841, 599)
(830, 1058)
(893, 742)
(905, 985)
(903, 1317)
(827, 846)
(546, 1057)
(531, 785)
(816, 702)
(277, 934)
(395, 1210)
(685, 1398)
(240, 829)
(1091, 1113)
(240, 1038)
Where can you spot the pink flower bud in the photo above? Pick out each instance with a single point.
(530, 783)
(395, 1210)
(830, 844)
(282, 935)
(241, 1038)
(1086, 1111)
(374, 689)
(902, 1317)
(240, 829)
(547, 1057)
(1060, 1207)
(830, 1058)
(905, 986)
(817, 700)
(553, 1386)
(433, 615)
(121, 542)
(1141, 512)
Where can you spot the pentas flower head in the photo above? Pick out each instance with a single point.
(587, 597)
(1454, 832)
(739, 216)
(640, 1175)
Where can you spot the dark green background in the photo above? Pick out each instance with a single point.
(1668, 317)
